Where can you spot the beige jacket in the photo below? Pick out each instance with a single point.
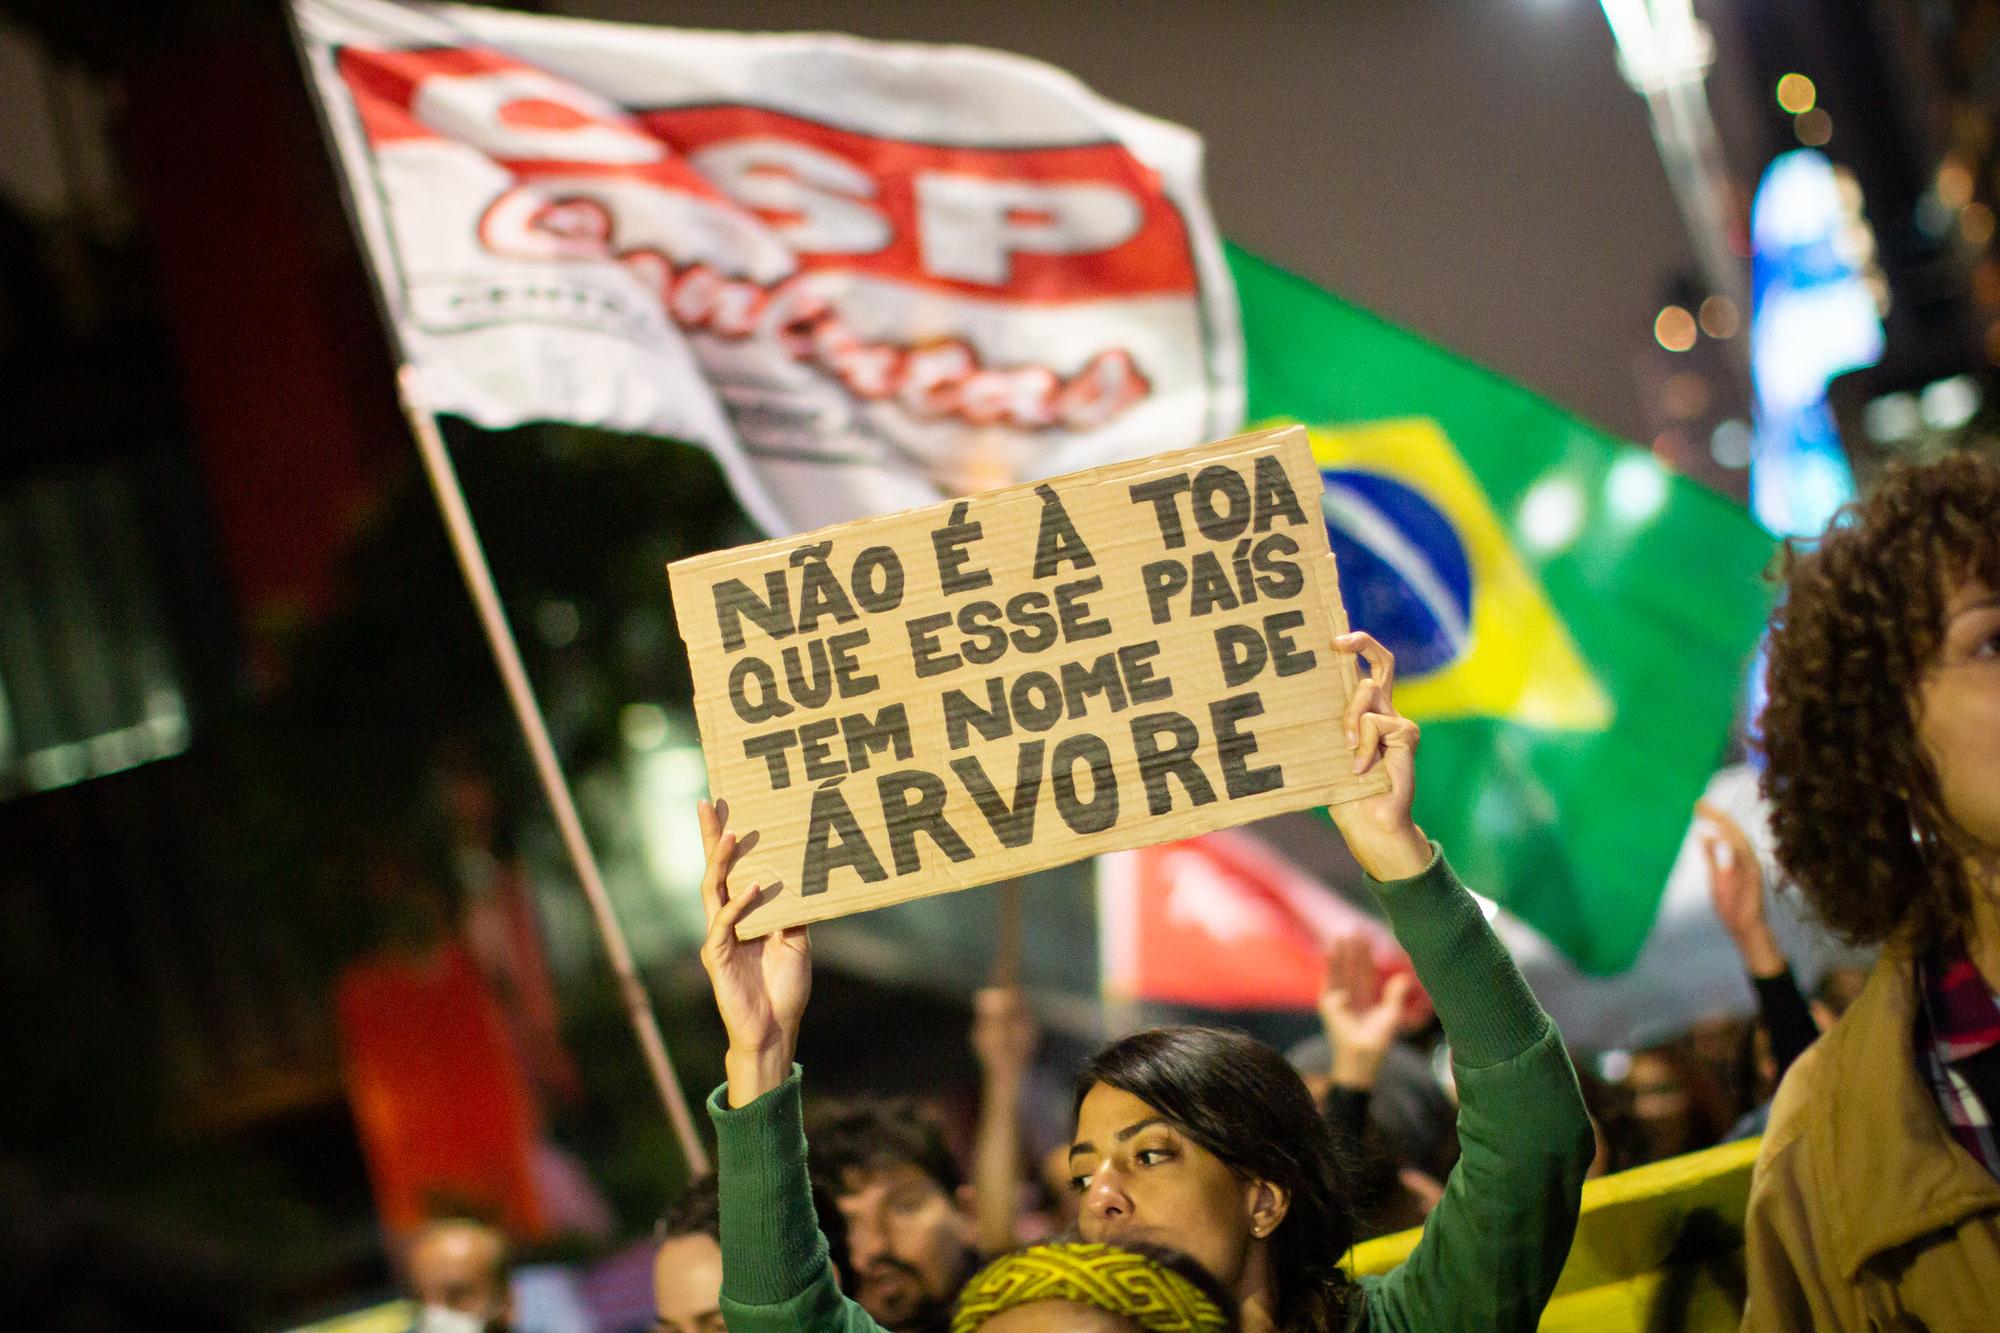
(1864, 1212)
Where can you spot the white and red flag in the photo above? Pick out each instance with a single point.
(864, 275)
(1222, 921)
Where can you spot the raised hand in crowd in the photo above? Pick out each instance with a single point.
(1360, 1009)
(1004, 1034)
(1004, 1037)
(1736, 887)
(761, 985)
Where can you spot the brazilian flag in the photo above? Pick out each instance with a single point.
(1571, 621)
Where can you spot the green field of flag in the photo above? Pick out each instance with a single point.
(1572, 621)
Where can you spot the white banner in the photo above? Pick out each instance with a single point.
(867, 276)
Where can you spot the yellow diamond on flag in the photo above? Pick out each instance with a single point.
(1427, 567)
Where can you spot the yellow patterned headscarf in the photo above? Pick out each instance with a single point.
(1128, 1285)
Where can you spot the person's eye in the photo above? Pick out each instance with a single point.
(1153, 1156)
(907, 1201)
(1079, 1183)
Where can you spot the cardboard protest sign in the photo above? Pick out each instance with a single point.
(926, 701)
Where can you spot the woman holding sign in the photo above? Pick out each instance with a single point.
(1206, 1141)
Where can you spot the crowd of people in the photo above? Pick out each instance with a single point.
(1211, 1183)
(1207, 1183)
(1199, 1140)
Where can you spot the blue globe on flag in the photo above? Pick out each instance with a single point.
(1405, 576)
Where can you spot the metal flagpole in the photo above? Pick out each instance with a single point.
(506, 653)
(520, 693)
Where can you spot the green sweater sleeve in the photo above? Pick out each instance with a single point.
(1494, 1246)
(776, 1277)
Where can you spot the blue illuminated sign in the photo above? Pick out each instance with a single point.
(1812, 317)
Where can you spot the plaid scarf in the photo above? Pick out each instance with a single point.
(1961, 1019)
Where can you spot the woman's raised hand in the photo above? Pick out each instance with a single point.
(1360, 1009)
(761, 985)
(1736, 887)
(1378, 829)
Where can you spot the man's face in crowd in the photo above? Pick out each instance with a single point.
(687, 1285)
(458, 1274)
(908, 1241)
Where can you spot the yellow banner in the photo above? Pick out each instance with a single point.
(1661, 1240)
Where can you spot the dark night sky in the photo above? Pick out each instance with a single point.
(1473, 169)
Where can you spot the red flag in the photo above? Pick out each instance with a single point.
(446, 1120)
(1222, 922)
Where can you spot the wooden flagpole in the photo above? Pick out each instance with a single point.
(521, 694)
(506, 653)
(1007, 936)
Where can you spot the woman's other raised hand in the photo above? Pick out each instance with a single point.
(1378, 829)
(761, 985)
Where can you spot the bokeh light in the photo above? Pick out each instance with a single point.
(1796, 94)
(1720, 318)
(1975, 224)
(1674, 328)
(1636, 487)
(1551, 515)
(1986, 282)
(1685, 394)
(1954, 183)
(1892, 418)
(1729, 443)
(643, 726)
(1814, 128)
(1948, 404)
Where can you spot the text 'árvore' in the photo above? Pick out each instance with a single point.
(940, 698)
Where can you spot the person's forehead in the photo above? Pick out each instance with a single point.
(455, 1250)
(862, 1183)
(679, 1253)
(682, 1261)
(1107, 1110)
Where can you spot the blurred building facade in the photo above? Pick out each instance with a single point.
(176, 461)
(1902, 95)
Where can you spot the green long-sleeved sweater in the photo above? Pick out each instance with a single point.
(1490, 1254)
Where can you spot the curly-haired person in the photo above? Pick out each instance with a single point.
(1876, 1198)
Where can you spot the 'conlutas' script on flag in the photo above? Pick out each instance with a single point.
(866, 276)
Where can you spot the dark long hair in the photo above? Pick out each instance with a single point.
(1241, 1101)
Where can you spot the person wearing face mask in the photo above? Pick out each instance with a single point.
(458, 1275)
(1875, 1201)
(1205, 1141)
